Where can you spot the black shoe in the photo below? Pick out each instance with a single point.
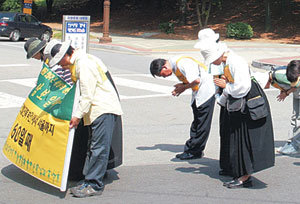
(223, 172)
(179, 155)
(187, 156)
(238, 184)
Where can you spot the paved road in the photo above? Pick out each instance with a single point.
(156, 125)
(258, 53)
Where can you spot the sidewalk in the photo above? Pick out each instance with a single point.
(265, 54)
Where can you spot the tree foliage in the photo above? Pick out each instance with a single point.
(1, 2)
(49, 4)
(239, 30)
(12, 5)
(185, 12)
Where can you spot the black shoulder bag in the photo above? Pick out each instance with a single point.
(255, 102)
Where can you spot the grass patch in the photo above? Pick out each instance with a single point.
(57, 34)
(40, 3)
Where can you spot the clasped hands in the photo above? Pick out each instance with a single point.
(220, 82)
(179, 88)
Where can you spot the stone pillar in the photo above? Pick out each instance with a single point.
(106, 8)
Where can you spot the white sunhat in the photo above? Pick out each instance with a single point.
(206, 34)
(211, 51)
(60, 54)
(48, 48)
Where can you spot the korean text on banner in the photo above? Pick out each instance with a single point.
(37, 142)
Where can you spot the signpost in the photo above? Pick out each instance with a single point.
(106, 15)
(77, 30)
(27, 6)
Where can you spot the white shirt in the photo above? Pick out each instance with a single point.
(239, 71)
(97, 95)
(192, 71)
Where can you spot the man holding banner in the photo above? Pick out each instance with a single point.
(100, 108)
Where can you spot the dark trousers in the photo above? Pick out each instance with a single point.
(78, 152)
(200, 127)
(224, 140)
(98, 149)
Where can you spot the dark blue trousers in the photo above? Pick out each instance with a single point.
(98, 149)
(200, 127)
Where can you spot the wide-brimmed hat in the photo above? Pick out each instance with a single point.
(33, 46)
(48, 48)
(206, 34)
(58, 51)
(212, 51)
(28, 42)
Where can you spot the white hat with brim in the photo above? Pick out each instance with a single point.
(212, 52)
(206, 34)
(62, 51)
(48, 48)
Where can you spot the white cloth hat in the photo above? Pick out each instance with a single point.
(61, 53)
(48, 48)
(212, 51)
(206, 34)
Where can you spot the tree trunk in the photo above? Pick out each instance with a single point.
(285, 7)
(198, 14)
(268, 16)
(183, 10)
(207, 12)
(203, 15)
(49, 6)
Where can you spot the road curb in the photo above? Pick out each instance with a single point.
(265, 66)
(112, 47)
(269, 62)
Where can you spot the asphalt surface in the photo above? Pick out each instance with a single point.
(266, 54)
(155, 129)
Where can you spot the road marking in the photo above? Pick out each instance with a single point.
(270, 89)
(10, 101)
(14, 65)
(14, 44)
(170, 78)
(29, 82)
(145, 96)
(142, 85)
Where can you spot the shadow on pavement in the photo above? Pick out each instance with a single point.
(110, 176)
(278, 144)
(210, 167)
(19, 176)
(163, 147)
(25, 179)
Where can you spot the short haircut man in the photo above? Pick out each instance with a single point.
(191, 72)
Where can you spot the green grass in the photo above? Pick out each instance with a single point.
(57, 34)
(40, 3)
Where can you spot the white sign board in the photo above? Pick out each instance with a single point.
(77, 30)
